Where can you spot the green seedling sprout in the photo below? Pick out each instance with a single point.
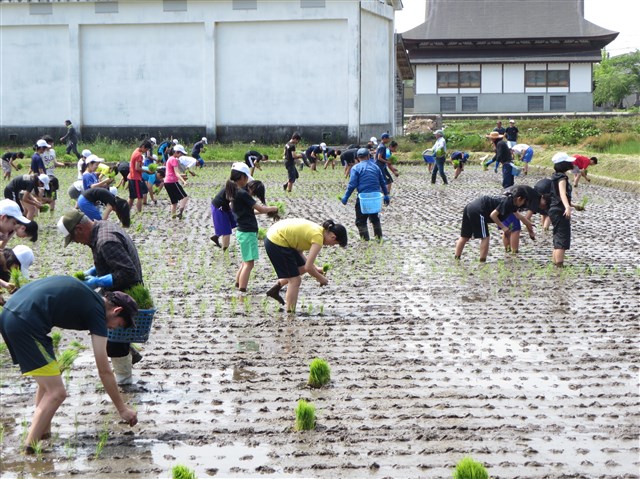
(326, 267)
(467, 468)
(66, 359)
(262, 233)
(17, 279)
(280, 205)
(80, 275)
(182, 472)
(36, 447)
(319, 373)
(56, 337)
(305, 416)
(141, 296)
(44, 208)
(583, 203)
(77, 345)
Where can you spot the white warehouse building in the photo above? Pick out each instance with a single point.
(230, 69)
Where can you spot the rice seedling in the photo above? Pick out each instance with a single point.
(467, 468)
(583, 203)
(103, 437)
(172, 308)
(56, 337)
(305, 416)
(319, 373)
(141, 296)
(262, 233)
(44, 208)
(36, 448)
(322, 310)
(80, 275)
(280, 205)
(182, 472)
(66, 359)
(75, 344)
(1, 434)
(247, 304)
(326, 267)
(17, 279)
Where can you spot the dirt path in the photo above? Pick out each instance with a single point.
(532, 371)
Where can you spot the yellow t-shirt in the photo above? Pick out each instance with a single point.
(103, 169)
(296, 233)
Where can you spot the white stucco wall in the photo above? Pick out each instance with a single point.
(157, 80)
(376, 81)
(513, 78)
(426, 79)
(34, 83)
(278, 72)
(491, 78)
(580, 78)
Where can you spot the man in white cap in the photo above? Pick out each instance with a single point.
(197, 148)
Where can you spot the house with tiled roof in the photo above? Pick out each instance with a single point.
(485, 56)
(229, 69)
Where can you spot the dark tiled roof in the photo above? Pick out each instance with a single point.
(506, 19)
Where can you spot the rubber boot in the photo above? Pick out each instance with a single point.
(377, 232)
(123, 369)
(364, 232)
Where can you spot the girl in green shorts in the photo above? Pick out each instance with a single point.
(240, 190)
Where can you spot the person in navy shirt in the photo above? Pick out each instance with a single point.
(197, 148)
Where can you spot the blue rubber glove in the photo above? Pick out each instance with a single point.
(387, 200)
(344, 200)
(105, 281)
(91, 271)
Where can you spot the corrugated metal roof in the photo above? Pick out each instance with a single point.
(504, 19)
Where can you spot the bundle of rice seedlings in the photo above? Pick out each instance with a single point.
(141, 296)
(326, 267)
(80, 275)
(77, 345)
(19, 166)
(67, 358)
(56, 337)
(305, 416)
(182, 472)
(583, 203)
(319, 373)
(280, 205)
(153, 167)
(262, 233)
(17, 279)
(467, 468)
(44, 208)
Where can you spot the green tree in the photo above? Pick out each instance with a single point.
(617, 78)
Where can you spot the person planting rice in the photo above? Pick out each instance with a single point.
(382, 161)
(172, 183)
(223, 219)
(330, 156)
(440, 153)
(490, 209)
(285, 243)
(503, 157)
(560, 208)
(8, 162)
(525, 153)
(116, 267)
(197, 148)
(366, 177)
(243, 206)
(29, 230)
(149, 170)
(19, 258)
(26, 323)
(37, 164)
(137, 187)
(459, 158)
(536, 203)
(580, 166)
(81, 165)
(252, 159)
(348, 158)
(92, 200)
(312, 154)
(90, 178)
(23, 190)
(290, 157)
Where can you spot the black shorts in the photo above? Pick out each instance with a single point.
(474, 224)
(29, 347)
(561, 229)
(286, 261)
(292, 173)
(137, 189)
(175, 191)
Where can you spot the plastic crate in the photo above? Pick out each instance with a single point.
(370, 203)
(139, 334)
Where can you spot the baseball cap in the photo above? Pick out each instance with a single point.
(204, 139)
(94, 159)
(67, 223)
(373, 140)
(128, 305)
(86, 153)
(512, 121)
(438, 132)
(113, 190)
(384, 136)
(175, 142)
(242, 168)
(362, 152)
(11, 208)
(323, 146)
(179, 148)
(153, 140)
(562, 156)
(42, 143)
(44, 179)
(25, 257)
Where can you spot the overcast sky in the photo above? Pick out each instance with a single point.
(618, 15)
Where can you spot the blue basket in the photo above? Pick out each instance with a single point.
(370, 203)
(515, 170)
(429, 158)
(139, 334)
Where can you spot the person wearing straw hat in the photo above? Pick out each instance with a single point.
(366, 177)
(116, 267)
(503, 157)
(64, 302)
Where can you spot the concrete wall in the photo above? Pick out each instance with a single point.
(221, 68)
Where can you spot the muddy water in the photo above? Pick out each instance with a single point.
(532, 371)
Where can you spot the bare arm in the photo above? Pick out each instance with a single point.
(265, 209)
(527, 223)
(108, 380)
(495, 216)
(562, 188)
(310, 266)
